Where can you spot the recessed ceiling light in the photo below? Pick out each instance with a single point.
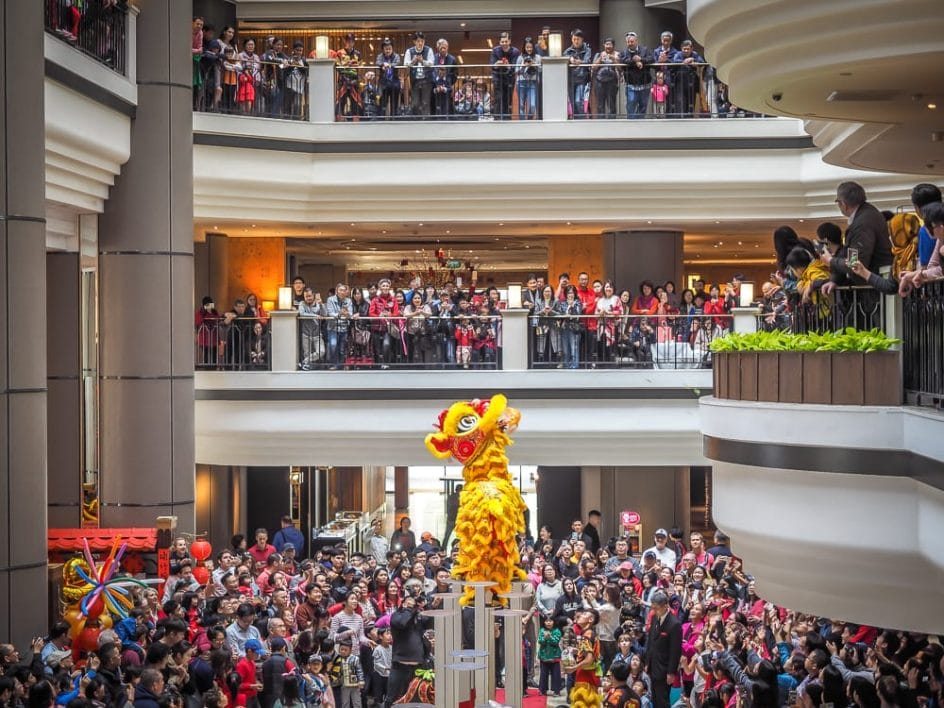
(353, 224)
(496, 238)
(932, 106)
(801, 221)
(384, 231)
(568, 223)
(756, 245)
(740, 243)
(216, 228)
(420, 224)
(649, 222)
(717, 222)
(501, 223)
(253, 226)
(462, 24)
(447, 231)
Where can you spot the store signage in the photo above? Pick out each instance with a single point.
(629, 518)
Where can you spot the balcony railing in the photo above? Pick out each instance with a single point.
(98, 29)
(923, 344)
(513, 340)
(321, 90)
(859, 307)
(233, 344)
(401, 342)
(624, 341)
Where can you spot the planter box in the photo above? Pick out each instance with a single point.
(837, 378)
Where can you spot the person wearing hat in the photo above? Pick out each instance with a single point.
(665, 555)
(289, 534)
(663, 649)
(427, 542)
(249, 687)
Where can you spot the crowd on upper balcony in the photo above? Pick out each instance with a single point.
(584, 323)
(426, 80)
(269, 623)
(97, 27)
(876, 253)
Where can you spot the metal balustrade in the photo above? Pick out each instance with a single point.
(97, 29)
(923, 344)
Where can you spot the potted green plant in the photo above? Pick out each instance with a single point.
(848, 367)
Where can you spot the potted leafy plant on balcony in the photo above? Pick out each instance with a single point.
(848, 367)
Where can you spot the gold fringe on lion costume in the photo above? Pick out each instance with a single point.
(491, 510)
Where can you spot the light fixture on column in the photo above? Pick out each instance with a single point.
(554, 40)
(285, 297)
(321, 46)
(746, 295)
(268, 305)
(514, 296)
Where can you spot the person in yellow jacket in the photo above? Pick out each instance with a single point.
(811, 273)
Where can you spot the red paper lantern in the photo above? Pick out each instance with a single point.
(200, 550)
(201, 574)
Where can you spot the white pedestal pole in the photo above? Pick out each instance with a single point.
(484, 640)
(440, 656)
(514, 675)
(451, 641)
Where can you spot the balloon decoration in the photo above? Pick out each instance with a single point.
(95, 593)
(201, 574)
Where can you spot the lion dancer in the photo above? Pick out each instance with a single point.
(491, 510)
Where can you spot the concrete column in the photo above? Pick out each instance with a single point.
(515, 339)
(64, 382)
(146, 293)
(629, 257)
(744, 319)
(23, 592)
(321, 90)
(617, 17)
(284, 325)
(554, 88)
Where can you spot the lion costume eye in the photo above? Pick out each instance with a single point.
(467, 423)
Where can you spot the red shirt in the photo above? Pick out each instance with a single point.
(247, 673)
(260, 556)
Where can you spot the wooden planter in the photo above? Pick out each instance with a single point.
(837, 378)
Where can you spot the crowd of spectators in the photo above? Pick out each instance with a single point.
(97, 27)
(582, 324)
(878, 253)
(425, 80)
(678, 624)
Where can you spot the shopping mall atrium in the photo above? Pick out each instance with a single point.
(252, 248)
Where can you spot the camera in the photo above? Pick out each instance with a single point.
(777, 96)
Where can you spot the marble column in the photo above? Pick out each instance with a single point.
(23, 588)
(64, 397)
(629, 257)
(146, 293)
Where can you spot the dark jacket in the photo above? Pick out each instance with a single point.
(504, 73)
(406, 628)
(143, 698)
(580, 74)
(273, 678)
(663, 647)
(868, 233)
(636, 76)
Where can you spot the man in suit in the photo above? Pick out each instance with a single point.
(663, 649)
(867, 233)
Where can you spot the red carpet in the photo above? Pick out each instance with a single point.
(534, 699)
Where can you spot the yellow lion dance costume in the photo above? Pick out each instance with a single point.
(491, 510)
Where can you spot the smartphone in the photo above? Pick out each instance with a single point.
(853, 256)
(819, 246)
